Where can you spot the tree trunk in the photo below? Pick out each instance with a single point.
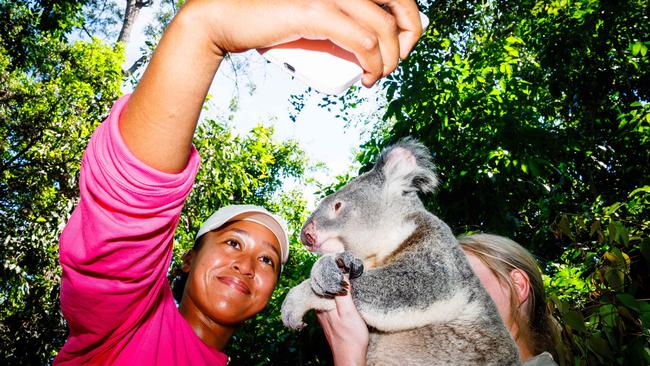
(131, 12)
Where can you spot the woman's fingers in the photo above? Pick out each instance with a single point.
(352, 35)
(345, 307)
(345, 331)
(407, 17)
(395, 24)
(383, 24)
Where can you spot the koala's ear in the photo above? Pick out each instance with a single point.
(407, 167)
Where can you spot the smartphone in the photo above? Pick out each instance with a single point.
(320, 64)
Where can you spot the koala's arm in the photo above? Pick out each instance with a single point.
(299, 301)
(404, 296)
(316, 292)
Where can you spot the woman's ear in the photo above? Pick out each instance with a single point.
(188, 258)
(521, 284)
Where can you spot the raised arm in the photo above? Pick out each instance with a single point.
(159, 120)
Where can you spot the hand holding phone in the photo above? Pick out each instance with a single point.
(320, 64)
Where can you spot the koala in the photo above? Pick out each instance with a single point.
(410, 280)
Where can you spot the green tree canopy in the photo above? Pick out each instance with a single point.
(52, 93)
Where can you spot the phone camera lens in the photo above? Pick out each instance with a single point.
(289, 67)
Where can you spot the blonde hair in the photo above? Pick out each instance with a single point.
(502, 255)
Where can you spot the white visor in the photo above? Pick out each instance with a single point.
(252, 213)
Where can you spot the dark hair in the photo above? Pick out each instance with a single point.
(179, 278)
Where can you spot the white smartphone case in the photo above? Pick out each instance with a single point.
(320, 64)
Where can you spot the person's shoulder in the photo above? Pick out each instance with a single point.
(542, 359)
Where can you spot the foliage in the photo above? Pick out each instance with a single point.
(52, 94)
(601, 299)
(537, 115)
(24, 25)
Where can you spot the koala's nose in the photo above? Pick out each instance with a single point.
(308, 234)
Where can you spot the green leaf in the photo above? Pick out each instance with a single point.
(600, 346)
(564, 226)
(612, 231)
(594, 228)
(645, 189)
(615, 278)
(612, 208)
(628, 300)
(575, 320)
(608, 314)
(512, 40)
(644, 313)
(511, 51)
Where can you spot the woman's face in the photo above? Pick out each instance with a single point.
(499, 292)
(233, 274)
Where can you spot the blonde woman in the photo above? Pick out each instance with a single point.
(512, 277)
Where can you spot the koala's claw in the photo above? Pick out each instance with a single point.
(350, 264)
(341, 263)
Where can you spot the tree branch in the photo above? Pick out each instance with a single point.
(31, 144)
(83, 27)
(131, 12)
(136, 65)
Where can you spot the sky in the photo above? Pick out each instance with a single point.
(321, 135)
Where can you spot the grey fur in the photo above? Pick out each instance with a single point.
(423, 303)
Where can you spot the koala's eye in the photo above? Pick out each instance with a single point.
(337, 206)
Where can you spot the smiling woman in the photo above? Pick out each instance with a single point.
(232, 270)
(139, 168)
(115, 252)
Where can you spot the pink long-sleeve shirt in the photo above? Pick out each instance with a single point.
(115, 252)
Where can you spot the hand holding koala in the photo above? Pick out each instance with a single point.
(418, 294)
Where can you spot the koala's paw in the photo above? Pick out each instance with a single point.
(327, 278)
(327, 274)
(292, 319)
(350, 264)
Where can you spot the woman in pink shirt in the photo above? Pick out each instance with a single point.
(139, 168)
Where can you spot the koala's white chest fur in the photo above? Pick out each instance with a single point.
(456, 308)
(387, 241)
